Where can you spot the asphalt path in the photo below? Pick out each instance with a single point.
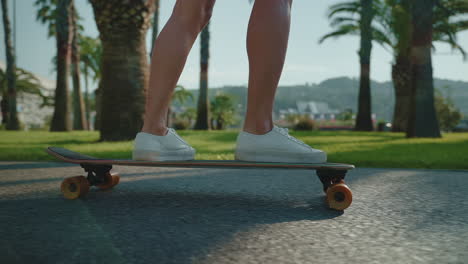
(178, 215)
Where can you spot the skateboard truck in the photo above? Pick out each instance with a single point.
(96, 173)
(330, 177)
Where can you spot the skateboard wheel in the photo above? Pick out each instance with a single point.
(339, 196)
(74, 187)
(110, 180)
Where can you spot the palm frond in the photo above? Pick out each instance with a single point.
(348, 29)
(337, 21)
(352, 7)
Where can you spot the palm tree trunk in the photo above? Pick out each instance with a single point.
(12, 120)
(124, 65)
(155, 25)
(61, 116)
(203, 115)
(86, 99)
(4, 107)
(401, 76)
(401, 70)
(364, 119)
(98, 103)
(422, 121)
(79, 119)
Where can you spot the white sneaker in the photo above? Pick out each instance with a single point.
(276, 146)
(150, 147)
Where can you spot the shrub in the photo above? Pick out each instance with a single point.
(305, 124)
(447, 114)
(181, 125)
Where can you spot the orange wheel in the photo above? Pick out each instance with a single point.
(339, 196)
(74, 187)
(110, 180)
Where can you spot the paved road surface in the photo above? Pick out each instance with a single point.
(159, 215)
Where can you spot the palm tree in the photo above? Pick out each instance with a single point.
(155, 25)
(90, 54)
(12, 122)
(393, 30)
(203, 110)
(57, 14)
(422, 121)
(123, 26)
(47, 14)
(366, 9)
(364, 119)
(399, 25)
(61, 116)
(79, 118)
(397, 35)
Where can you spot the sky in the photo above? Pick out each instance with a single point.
(307, 61)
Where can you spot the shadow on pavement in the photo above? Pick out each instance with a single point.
(34, 165)
(153, 219)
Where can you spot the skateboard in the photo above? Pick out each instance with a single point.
(338, 194)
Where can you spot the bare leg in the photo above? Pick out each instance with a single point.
(169, 56)
(267, 41)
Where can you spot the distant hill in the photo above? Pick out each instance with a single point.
(341, 93)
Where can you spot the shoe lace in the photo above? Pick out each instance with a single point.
(285, 132)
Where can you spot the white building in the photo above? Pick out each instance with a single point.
(316, 110)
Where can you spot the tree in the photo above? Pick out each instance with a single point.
(422, 121)
(47, 14)
(399, 23)
(222, 111)
(398, 34)
(203, 109)
(364, 119)
(363, 26)
(447, 113)
(79, 118)
(155, 25)
(61, 116)
(123, 26)
(393, 30)
(90, 53)
(12, 122)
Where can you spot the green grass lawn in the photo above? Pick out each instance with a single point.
(364, 149)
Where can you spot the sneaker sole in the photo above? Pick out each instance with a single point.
(283, 157)
(145, 155)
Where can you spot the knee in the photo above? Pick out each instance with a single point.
(195, 14)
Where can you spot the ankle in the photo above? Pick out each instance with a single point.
(158, 131)
(258, 129)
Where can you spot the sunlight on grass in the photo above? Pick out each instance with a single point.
(364, 149)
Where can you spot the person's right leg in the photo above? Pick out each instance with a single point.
(156, 142)
(267, 41)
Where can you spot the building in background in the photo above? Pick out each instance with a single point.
(316, 110)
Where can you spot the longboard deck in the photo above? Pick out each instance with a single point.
(78, 158)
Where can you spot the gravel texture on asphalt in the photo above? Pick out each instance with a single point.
(177, 215)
